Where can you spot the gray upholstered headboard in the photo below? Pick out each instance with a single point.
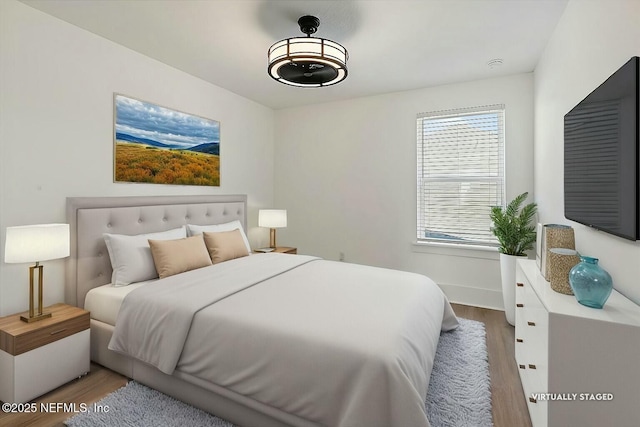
(90, 217)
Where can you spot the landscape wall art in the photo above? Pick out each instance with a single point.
(158, 145)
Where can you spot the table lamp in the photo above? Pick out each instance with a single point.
(36, 243)
(272, 218)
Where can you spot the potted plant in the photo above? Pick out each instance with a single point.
(513, 226)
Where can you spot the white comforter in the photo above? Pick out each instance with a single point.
(333, 343)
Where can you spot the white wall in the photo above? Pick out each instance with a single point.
(346, 172)
(56, 131)
(592, 40)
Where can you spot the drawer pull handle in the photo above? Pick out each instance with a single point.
(531, 323)
(519, 305)
(519, 340)
(520, 285)
(522, 367)
(533, 400)
(57, 332)
(532, 366)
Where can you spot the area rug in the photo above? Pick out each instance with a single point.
(459, 392)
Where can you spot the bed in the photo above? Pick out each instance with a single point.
(261, 340)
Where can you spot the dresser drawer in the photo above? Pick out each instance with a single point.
(17, 337)
(522, 313)
(537, 411)
(531, 347)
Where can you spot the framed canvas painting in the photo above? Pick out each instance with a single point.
(158, 145)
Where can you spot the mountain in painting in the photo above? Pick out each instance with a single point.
(135, 139)
(212, 148)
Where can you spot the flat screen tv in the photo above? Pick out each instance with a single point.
(602, 156)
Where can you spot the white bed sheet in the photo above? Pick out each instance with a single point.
(104, 301)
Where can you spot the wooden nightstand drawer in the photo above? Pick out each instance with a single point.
(17, 337)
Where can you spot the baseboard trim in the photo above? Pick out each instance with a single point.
(477, 297)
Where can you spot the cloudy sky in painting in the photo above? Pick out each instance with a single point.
(149, 121)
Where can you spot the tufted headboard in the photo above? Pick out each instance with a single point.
(89, 217)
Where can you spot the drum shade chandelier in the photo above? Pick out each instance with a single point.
(308, 61)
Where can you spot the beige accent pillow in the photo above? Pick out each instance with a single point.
(177, 256)
(225, 245)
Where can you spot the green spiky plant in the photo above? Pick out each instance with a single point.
(514, 227)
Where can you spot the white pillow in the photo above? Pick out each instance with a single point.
(131, 257)
(194, 230)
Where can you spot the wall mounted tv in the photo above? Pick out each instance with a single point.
(602, 156)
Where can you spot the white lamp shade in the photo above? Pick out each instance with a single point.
(272, 218)
(35, 243)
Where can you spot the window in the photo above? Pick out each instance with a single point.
(460, 174)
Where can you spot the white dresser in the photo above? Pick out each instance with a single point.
(576, 354)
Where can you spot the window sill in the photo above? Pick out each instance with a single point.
(457, 249)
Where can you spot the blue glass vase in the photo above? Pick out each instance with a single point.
(590, 283)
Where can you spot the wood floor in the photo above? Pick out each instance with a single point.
(509, 406)
(507, 398)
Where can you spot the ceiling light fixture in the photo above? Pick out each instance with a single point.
(308, 61)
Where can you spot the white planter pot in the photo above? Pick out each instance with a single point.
(508, 275)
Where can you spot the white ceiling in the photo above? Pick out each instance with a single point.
(393, 45)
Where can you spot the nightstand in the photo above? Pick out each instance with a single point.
(286, 250)
(37, 357)
(282, 250)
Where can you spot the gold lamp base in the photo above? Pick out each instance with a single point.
(35, 318)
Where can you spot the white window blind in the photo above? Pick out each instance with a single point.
(460, 174)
